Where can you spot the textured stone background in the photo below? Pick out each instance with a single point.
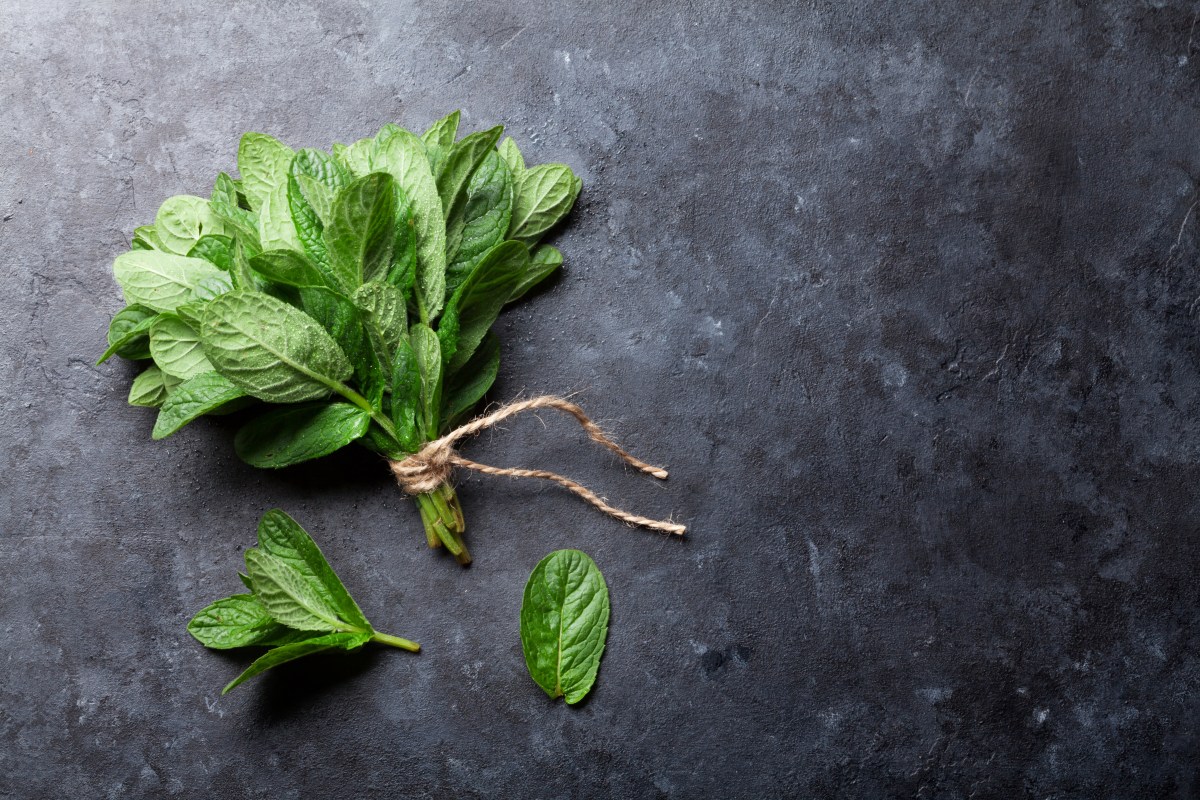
(905, 293)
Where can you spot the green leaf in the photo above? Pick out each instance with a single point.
(357, 157)
(283, 538)
(146, 238)
(384, 311)
(362, 231)
(149, 388)
(470, 383)
(428, 353)
(439, 139)
(461, 162)
(195, 397)
(485, 219)
(214, 248)
(271, 350)
(543, 262)
(129, 333)
(407, 411)
(225, 190)
(402, 156)
(512, 156)
(237, 621)
(290, 652)
(544, 196)
(176, 348)
(182, 220)
(314, 179)
(564, 621)
(263, 162)
(344, 321)
(403, 272)
(285, 436)
(289, 597)
(241, 224)
(477, 302)
(161, 281)
(289, 268)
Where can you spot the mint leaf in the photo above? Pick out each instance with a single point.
(544, 196)
(362, 230)
(564, 622)
(439, 139)
(237, 621)
(477, 302)
(176, 348)
(196, 396)
(149, 388)
(161, 281)
(183, 220)
(285, 436)
(129, 333)
(470, 382)
(484, 221)
(543, 262)
(290, 652)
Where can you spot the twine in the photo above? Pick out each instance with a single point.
(424, 471)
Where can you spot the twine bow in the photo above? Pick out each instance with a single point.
(428, 468)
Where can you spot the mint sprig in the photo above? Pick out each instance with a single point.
(296, 606)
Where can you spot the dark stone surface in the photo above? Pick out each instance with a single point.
(904, 293)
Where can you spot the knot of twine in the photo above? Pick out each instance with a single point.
(428, 468)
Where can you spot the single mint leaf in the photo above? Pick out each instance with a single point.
(314, 179)
(283, 538)
(439, 139)
(149, 388)
(176, 348)
(129, 333)
(461, 162)
(402, 156)
(564, 622)
(385, 313)
(470, 383)
(288, 596)
(237, 621)
(484, 221)
(357, 157)
(362, 230)
(199, 395)
(264, 163)
(146, 238)
(544, 196)
(407, 412)
(344, 322)
(512, 156)
(478, 301)
(428, 353)
(271, 350)
(288, 268)
(214, 248)
(161, 281)
(285, 436)
(543, 262)
(290, 652)
(182, 221)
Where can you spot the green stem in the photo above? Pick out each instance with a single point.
(395, 641)
(365, 405)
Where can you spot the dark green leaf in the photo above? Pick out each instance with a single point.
(470, 383)
(290, 652)
(461, 162)
(289, 268)
(407, 411)
(344, 322)
(428, 354)
(542, 264)
(384, 311)
(362, 230)
(564, 621)
(285, 436)
(543, 196)
(129, 333)
(237, 621)
(283, 538)
(314, 180)
(272, 351)
(477, 302)
(215, 249)
(484, 222)
(195, 397)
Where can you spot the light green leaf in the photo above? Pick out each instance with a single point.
(362, 230)
(484, 222)
(428, 354)
(129, 333)
(290, 652)
(512, 156)
(149, 388)
(564, 622)
(477, 302)
(283, 538)
(290, 597)
(543, 196)
(237, 621)
(263, 162)
(314, 179)
(357, 157)
(271, 350)
(176, 348)
(461, 162)
(402, 156)
(543, 262)
(439, 139)
(385, 313)
(195, 397)
(183, 219)
(285, 436)
(146, 238)
(161, 281)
